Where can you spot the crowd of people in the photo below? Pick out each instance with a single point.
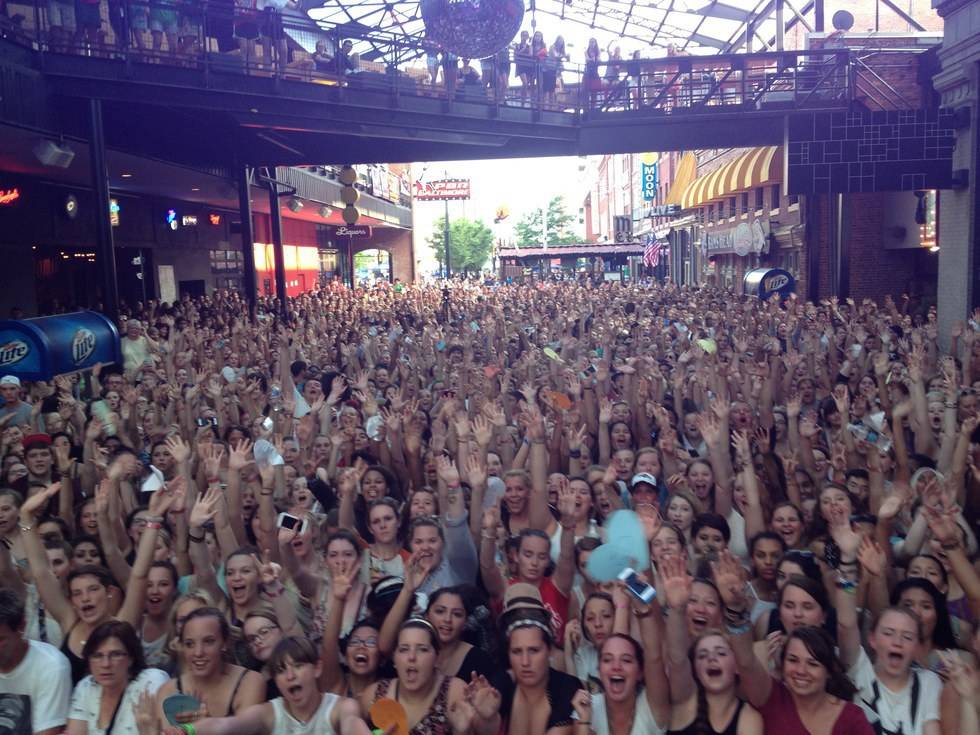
(390, 509)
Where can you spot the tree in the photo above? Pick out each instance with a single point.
(531, 234)
(470, 242)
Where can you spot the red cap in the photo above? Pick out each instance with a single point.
(35, 439)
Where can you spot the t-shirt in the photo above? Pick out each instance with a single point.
(88, 696)
(20, 410)
(36, 694)
(894, 709)
(318, 724)
(780, 715)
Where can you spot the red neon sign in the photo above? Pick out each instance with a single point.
(215, 219)
(9, 196)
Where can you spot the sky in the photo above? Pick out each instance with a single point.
(521, 185)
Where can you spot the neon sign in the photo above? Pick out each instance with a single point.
(214, 219)
(9, 196)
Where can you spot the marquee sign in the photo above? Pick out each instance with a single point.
(442, 189)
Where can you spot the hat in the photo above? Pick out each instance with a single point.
(32, 440)
(522, 596)
(643, 477)
(10, 380)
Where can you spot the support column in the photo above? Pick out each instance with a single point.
(248, 248)
(958, 289)
(103, 227)
(275, 220)
(780, 25)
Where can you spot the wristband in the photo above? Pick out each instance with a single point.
(153, 519)
(950, 545)
(153, 525)
(188, 728)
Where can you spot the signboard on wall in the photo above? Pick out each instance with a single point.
(358, 232)
(442, 189)
(649, 181)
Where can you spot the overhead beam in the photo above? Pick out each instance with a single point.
(904, 16)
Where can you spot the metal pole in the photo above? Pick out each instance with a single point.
(103, 227)
(445, 238)
(780, 26)
(248, 249)
(275, 219)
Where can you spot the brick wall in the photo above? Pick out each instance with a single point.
(873, 271)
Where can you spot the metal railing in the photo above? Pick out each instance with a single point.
(218, 36)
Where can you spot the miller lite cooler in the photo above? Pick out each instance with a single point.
(768, 282)
(39, 349)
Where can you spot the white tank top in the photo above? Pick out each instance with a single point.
(644, 722)
(319, 723)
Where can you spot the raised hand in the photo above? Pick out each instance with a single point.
(871, 557)
(206, 507)
(178, 448)
(30, 507)
(240, 456)
(342, 581)
(476, 472)
(675, 582)
(447, 471)
(484, 697)
(729, 576)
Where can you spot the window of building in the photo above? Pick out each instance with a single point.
(792, 199)
(711, 213)
(732, 206)
(226, 260)
(774, 202)
(745, 202)
(759, 198)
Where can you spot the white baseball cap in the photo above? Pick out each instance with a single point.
(10, 380)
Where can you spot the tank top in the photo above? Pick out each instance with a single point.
(436, 720)
(644, 723)
(79, 666)
(285, 724)
(730, 729)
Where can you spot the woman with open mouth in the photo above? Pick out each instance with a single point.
(603, 615)
(203, 649)
(434, 703)
(890, 691)
(703, 682)
(813, 694)
(635, 695)
(88, 603)
(447, 610)
(300, 710)
(351, 664)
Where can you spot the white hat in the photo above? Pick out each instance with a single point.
(10, 380)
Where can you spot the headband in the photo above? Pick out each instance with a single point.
(528, 623)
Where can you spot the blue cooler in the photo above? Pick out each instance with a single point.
(39, 349)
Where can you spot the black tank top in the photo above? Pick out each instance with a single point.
(730, 729)
(79, 666)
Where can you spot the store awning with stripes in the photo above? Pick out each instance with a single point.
(755, 167)
(683, 178)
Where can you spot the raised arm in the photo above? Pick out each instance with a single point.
(756, 684)
(493, 580)
(416, 570)
(564, 574)
(48, 586)
(675, 589)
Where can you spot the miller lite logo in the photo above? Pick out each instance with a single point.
(82, 345)
(13, 352)
(774, 283)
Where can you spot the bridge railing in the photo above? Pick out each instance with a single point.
(228, 36)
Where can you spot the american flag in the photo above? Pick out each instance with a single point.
(652, 251)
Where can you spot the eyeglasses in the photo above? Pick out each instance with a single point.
(371, 642)
(260, 634)
(112, 657)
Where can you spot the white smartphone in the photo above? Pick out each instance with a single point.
(637, 587)
(291, 522)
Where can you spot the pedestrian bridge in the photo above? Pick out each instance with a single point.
(291, 96)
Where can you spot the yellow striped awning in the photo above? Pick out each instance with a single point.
(755, 167)
(686, 173)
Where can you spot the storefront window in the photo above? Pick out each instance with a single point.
(745, 202)
(928, 220)
(732, 207)
(226, 260)
(760, 198)
(774, 204)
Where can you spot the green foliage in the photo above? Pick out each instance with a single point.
(529, 231)
(470, 243)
